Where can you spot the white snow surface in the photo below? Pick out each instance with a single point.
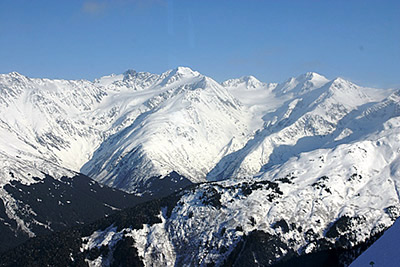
(362, 180)
(153, 243)
(123, 129)
(358, 180)
(179, 120)
(310, 119)
(338, 144)
(108, 237)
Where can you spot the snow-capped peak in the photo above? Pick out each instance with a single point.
(245, 82)
(349, 91)
(109, 79)
(179, 74)
(311, 76)
(186, 71)
(129, 73)
(302, 84)
(251, 82)
(15, 74)
(339, 81)
(13, 77)
(182, 72)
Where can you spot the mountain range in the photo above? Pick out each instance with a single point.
(306, 170)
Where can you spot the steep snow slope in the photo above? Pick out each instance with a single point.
(42, 117)
(308, 119)
(52, 127)
(187, 127)
(255, 95)
(325, 201)
(320, 208)
(317, 189)
(307, 159)
(124, 129)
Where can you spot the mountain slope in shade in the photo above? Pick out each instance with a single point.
(49, 205)
(46, 204)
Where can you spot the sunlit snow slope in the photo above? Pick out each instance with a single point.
(124, 129)
(121, 128)
(304, 162)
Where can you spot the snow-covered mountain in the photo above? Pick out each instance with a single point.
(315, 114)
(322, 208)
(162, 123)
(130, 127)
(178, 129)
(247, 83)
(332, 200)
(302, 164)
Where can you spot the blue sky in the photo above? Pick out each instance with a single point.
(272, 40)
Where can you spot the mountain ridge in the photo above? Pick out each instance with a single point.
(299, 165)
(110, 106)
